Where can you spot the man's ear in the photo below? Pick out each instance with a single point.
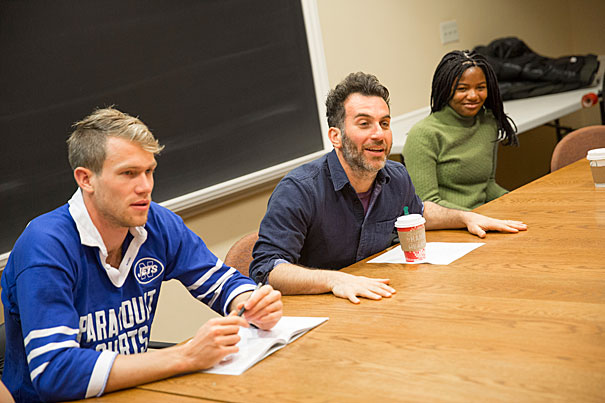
(83, 177)
(334, 134)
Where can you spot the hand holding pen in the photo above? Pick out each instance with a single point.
(263, 307)
(241, 311)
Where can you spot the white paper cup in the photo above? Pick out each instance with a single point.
(597, 166)
(412, 238)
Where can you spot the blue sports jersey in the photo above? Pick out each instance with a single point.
(68, 314)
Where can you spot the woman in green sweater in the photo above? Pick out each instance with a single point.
(451, 154)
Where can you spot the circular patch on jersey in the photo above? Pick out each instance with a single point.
(147, 269)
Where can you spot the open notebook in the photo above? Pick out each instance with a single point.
(256, 344)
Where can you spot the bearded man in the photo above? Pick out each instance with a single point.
(342, 207)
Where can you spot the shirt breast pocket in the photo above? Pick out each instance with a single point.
(385, 232)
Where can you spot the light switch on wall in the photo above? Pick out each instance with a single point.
(449, 31)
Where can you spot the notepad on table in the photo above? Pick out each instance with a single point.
(256, 344)
(436, 253)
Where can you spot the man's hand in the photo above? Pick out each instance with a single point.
(291, 279)
(478, 224)
(438, 217)
(216, 339)
(348, 286)
(264, 308)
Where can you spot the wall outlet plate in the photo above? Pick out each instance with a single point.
(449, 31)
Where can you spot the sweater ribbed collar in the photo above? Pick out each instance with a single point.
(449, 116)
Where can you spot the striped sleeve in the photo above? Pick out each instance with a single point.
(191, 262)
(58, 368)
(219, 285)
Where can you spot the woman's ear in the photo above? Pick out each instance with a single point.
(334, 134)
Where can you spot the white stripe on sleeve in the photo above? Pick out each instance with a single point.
(209, 273)
(100, 373)
(50, 347)
(217, 292)
(219, 284)
(39, 369)
(239, 290)
(34, 334)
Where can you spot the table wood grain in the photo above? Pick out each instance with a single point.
(520, 319)
(146, 396)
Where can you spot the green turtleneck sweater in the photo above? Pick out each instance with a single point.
(452, 159)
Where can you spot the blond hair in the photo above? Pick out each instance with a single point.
(87, 144)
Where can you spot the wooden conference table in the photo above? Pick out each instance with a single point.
(521, 318)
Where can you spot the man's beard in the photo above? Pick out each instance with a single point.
(356, 158)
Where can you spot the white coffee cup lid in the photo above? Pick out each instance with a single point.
(410, 220)
(596, 154)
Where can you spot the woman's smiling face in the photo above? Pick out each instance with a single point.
(470, 93)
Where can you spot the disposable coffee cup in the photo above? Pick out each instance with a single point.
(597, 166)
(410, 229)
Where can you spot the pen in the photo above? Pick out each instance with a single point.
(241, 311)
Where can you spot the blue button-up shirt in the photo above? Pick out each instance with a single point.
(315, 219)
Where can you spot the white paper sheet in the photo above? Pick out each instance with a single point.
(436, 253)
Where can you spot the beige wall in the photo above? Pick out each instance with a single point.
(398, 40)
(587, 26)
(587, 17)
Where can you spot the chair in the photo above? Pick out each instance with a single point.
(240, 254)
(576, 144)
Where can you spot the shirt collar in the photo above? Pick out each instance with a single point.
(339, 176)
(90, 236)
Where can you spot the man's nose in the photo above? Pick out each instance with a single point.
(145, 183)
(378, 131)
